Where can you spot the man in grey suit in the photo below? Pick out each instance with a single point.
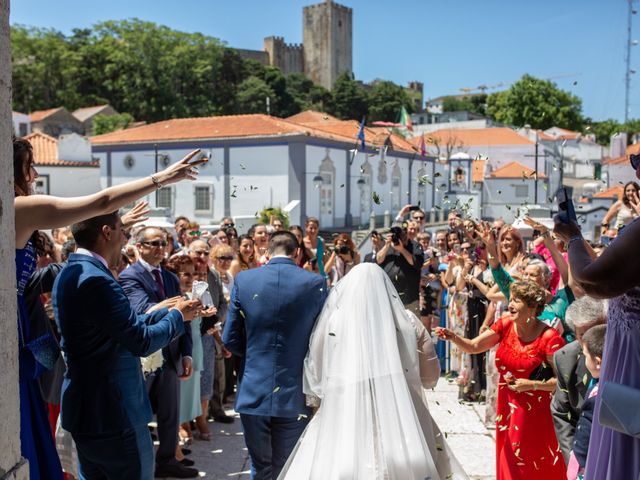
(573, 376)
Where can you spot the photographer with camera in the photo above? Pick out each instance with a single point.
(402, 260)
(343, 258)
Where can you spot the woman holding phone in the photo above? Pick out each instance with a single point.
(614, 275)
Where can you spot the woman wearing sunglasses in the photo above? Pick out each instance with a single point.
(624, 211)
(614, 275)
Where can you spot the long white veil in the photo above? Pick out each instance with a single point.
(362, 365)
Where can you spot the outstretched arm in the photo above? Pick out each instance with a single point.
(35, 212)
(479, 344)
(612, 273)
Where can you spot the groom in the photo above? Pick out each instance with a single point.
(272, 312)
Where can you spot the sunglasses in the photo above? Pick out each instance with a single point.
(225, 258)
(635, 161)
(418, 217)
(195, 233)
(155, 243)
(229, 224)
(201, 252)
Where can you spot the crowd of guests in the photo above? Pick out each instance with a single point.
(516, 327)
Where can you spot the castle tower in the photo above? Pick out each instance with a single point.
(327, 34)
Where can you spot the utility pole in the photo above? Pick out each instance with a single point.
(628, 72)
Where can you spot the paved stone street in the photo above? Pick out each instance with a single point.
(226, 457)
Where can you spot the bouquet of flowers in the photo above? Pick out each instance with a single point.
(152, 363)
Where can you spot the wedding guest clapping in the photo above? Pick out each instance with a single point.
(146, 284)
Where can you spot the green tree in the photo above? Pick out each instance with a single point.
(349, 100)
(539, 103)
(385, 101)
(45, 70)
(110, 123)
(252, 96)
(603, 130)
(467, 103)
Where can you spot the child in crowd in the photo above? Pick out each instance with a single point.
(592, 347)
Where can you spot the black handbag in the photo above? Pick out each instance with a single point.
(542, 373)
(619, 408)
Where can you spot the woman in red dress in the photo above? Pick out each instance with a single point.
(526, 444)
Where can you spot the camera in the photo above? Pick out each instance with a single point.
(396, 235)
(343, 249)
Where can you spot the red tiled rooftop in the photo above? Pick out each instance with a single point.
(311, 116)
(246, 126)
(474, 136)
(613, 192)
(42, 114)
(45, 152)
(515, 170)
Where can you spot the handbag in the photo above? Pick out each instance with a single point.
(542, 373)
(619, 408)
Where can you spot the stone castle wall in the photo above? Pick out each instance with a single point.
(327, 34)
(288, 57)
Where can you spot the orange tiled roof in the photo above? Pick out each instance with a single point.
(617, 191)
(515, 170)
(565, 134)
(238, 126)
(477, 171)
(474, 136)
(42, 114)
(230, 126)
(631, 149)
(45, 152)
(311, 116)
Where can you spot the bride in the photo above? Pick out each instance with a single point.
(367, 364)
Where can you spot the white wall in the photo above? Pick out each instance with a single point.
(74, 147)
(211, 173)
(499, 193)
(70, 181)
(260, 178)
(19, 118)
(314, 157)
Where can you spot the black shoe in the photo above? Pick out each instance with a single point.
(186, 451)
(187, 463)
(224, 419)
(175, 470)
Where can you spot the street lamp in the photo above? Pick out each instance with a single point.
(317, 181)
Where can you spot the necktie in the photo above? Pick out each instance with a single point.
(156, 274)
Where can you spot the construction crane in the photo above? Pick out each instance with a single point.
(484, 87)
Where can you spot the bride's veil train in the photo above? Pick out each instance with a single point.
(373, 421)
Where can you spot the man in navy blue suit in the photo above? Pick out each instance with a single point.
(104, 403)
(146, 284)
(272, 312)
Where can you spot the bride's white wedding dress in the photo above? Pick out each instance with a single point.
(367, 364)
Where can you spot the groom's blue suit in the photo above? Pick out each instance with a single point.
(272, 312)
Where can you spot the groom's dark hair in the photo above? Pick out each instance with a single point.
(86, 233)
(283, 243)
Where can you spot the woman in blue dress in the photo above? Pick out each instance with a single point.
(36, 355)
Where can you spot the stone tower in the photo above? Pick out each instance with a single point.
(327, 40)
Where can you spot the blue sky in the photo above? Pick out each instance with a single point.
(446, 44)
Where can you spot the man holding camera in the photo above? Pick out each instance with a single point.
(402, 260)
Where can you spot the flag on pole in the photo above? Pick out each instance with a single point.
(405, 119)
(423, 147)
(361, 135)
